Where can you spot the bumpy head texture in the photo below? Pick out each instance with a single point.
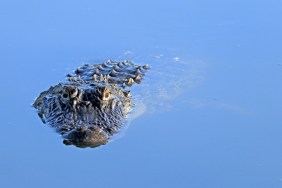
(93, 104)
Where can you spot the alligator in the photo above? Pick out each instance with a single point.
(93, 104)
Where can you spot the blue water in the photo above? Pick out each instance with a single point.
(219, 125)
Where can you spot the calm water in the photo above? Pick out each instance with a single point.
(213, 98)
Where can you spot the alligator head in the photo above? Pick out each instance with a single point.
(92, 105)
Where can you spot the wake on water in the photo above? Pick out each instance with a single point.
(171, 74)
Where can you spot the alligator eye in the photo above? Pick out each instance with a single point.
(106, 95)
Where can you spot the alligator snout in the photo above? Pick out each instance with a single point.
(85, 136)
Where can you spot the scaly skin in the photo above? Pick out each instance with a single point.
(93, 104)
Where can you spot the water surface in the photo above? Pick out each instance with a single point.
(213, 121)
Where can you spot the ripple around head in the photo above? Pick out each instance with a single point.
(171, 74)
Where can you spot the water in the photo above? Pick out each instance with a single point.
(218, 127)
